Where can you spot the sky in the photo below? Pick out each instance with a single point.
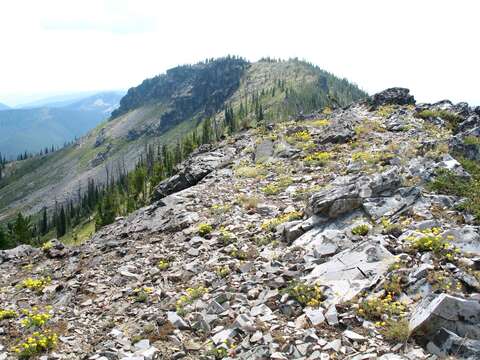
(53, 47)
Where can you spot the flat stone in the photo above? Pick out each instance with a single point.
(446, 343)
(350, 271)
(315, 316)
(142, 344)
(222, 336)
(177, 321)
(445, 311)
(256, 337)
(332, 316)
(353, 335)
(334, 345)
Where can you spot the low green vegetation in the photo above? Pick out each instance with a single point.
(396, 331)
(191, 294)
(204, 229)
(305, 294)
(257, 171)
(448, 183)
(277, 186)
(318, 122)
(376, 308)
(271, 224)
(385, 110)
(318, 158)
(451, 118)
(471, 140)
(361, 230)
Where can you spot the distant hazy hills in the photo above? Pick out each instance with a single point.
(34, 128)
(3, 107)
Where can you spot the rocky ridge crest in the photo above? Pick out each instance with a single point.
(314, 239)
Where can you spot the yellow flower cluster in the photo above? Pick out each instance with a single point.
(35, 318)
(145, 289)
(191, 295)
(35, 344)
(238, 254)
(36, 284)
(163, 264)
(222, 271)
(318, 158)
(7, 314)
(365, 156)
(204, 229)
(227, 237)
(376, 307)
(300, 136)
(443, 280)
(361, 230)
(319, 122)
(141, 294)
(47, 246)
(221, 351)
(305, 294)
(271, 224)
(431, 240)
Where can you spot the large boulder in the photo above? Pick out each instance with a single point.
(402, 199)
(19, 252)
(466, 238)
(446, 343)
(352, 270)
(392, 96)
(349, 193)
(455, 314)
(192, 170)
(469, 129)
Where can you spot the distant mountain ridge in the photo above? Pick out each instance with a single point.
(63, 100)
(33, 129)
(4, 107)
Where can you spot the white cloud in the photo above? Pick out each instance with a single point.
(62, 46)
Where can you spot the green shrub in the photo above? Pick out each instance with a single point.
(395, 331)
(452, 119)
(446, 182)
(305, 294)
(204, 229)
(471, 140)
(271, 224)
(318, 158)
(257, 171)
(376, 307)
(361, 230)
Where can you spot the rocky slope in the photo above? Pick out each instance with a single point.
(312, 239)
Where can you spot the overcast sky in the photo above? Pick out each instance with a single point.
(62, 46)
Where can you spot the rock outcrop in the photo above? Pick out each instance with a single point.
(392, 96)
(350, 193)
(193, 170)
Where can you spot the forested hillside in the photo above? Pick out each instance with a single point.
(112, 171)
